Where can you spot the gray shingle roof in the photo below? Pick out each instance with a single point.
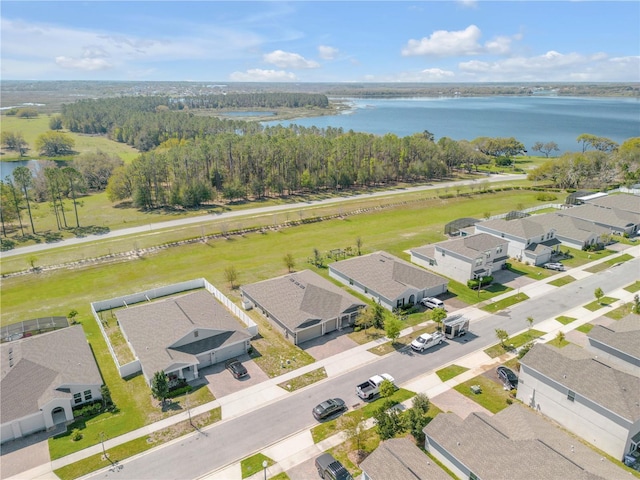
(42, 365)
(569, 227)
(386, 274)
(623, 201)
(399, 458)
(524, 228)
(606, 216)
(469, 247)
(623, 335)
(301, 299)
(575, 368)
(517, 443)
(153, 328)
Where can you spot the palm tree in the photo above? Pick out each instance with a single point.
(22, 176)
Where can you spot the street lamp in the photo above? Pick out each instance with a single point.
(265, 464)
(480, 285)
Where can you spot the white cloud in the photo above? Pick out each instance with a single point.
(260, 75)
(327, 53)
(444, 43)
(85, 63)
(283, 59)
(468, 3)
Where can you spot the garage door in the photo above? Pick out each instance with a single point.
(230, 352)
(309, 333)
(331, 325)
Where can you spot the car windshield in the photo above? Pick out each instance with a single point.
(421, 340)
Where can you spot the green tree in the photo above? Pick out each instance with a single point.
(54, 144)
(289, 262)
(530, 321)
(15, 141)
(160, 386)
(502, 335)
(231, 276)
(55, 122)
(392, 328)
(354, 427)
(366, 317)
(545, 148)
(359, 245)
(415, 418)
(636, 304)
(438, 315)
(598, 293)
(560, 338)
(388, 422)
(27, 112)
(15, 200)
(107, 401)
(387, 388)
(24, 180)
(75, 183)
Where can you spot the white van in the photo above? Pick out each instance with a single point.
(431, 302)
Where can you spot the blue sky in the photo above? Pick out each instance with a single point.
(314, 41)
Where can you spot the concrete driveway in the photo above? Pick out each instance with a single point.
(304, 471)
(24, 454)
(221, 383)
(329, 344)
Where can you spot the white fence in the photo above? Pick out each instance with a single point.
(557, 206)
(148, 295)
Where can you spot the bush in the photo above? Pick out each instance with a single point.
(88, 411)
(474, 283)
(546, 197)
(179, 391)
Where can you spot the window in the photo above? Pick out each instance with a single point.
(499, 249)
(77, 397)
(571, 396)
(196, 333)
(479, 261)
(87, 395)
(350, 282)
(366, 290)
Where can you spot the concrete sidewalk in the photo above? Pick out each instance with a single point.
(238, 403)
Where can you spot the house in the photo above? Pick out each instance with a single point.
(514, 443)
(181, 334)
(387, 279)
(616, 220)
(585, 394)
(529, 241)
(302, 305)
(572, 232)
(618, 343)
(626, 202)
(464, 258)
(43, 378)
(399, 458)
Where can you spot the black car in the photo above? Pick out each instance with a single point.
(507, 376)
(328, 408)
(331, 469)
(236, 368)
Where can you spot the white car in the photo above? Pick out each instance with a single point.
(431, 302)
(554, 266)
(427, 340)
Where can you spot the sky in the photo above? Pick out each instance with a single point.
(318, 41)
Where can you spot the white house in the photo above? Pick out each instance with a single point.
(585, 394)
(464, 258)
(43, 378)
(388, 279)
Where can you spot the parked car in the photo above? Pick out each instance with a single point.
(371, 387)
(331, 469)
(509, 379)
(432, 302)
(554, 266)
(427, 340)
(328, 408)
(236, 368)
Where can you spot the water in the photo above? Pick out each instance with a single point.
(529, 119)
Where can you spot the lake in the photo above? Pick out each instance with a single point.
(528, 118)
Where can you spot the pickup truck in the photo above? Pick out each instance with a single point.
(427, 340)
(371, 387)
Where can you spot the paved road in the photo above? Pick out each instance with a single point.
(229, 441)
(241, 213)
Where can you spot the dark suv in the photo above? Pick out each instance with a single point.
(331, 469)
(507, 376)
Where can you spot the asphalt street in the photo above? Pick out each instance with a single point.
(229, 441)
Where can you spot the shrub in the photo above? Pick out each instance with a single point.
(88, 411)
(179, 391)
(76, 435)
(473, 283)
(546, 197)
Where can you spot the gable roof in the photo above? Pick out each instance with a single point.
(569, 227)
(399, 458)
(613, 217)
(387, 274)
(517, 443)
(574, 368)
(154, 329)
(622, 201)
(470, 246)
(524, 228)
(41, 367)
(299, 300)
(623, 335)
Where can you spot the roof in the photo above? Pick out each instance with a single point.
(524, 228)
(517, 443)
(387, 274)
(569, 227)
(155, 329)
(299, 300)
(623, 335)
(40, 367)
(400, 458)
(612, 217)
(623, 201)
(469, 246)
(575, 368)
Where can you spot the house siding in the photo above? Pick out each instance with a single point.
(387, 303)
(447, 459)
(597, 425)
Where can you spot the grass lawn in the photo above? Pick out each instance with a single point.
(493, 396)
(609, 263)
(585, 328)
(596, 305)
(559, 282)
(634, 287)
(304, 380)
(513, 343)
(620, 312)
(557, 342)
(580, 257)
(531, 271)
(505, 302)
(280, 476)
(447, 373)
(565, 320)
(326, 429)
(253, 464)
(402, 342)
(136, 446)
